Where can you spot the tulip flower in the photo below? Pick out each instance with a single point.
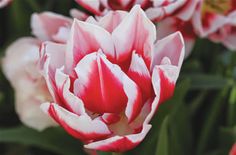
(181, 9)
(20, 68)
(109, 78)
(20, 65)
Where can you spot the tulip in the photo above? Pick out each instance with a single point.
(210, 15)
(109, 78)
(20, 67)
(181, 9)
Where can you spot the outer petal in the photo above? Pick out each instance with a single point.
(171, 47)
(91, 5)
(40, 25)
(82, 127)
(20, 67)
(86, 38)
(170, 59)
(18, 55)
(111, 20)
(75, 13)
(119, 143)
(51, 58)
(135, 32)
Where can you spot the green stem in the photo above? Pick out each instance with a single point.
(210, 121)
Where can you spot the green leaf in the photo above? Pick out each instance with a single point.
(213, 115)
(163, 142)
(232, 107)
(53, 139)
(205, 81)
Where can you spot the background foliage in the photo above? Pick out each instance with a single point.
(200, 119)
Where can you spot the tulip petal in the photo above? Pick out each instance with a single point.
(81, 127)
(171, 47)
(86, 38)
(91, 5)
(139, 73)
(70, 101)
(40, 24)
(163, 79)
(51, 57)
(99, 77)
(120, 143)
(111, 20)
(135, 32)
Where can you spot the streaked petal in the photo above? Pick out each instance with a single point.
(119, 143)
(135, 32)
(81, 127)
(86, 38)
(100, 78)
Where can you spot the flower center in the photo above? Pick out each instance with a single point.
(216, 6)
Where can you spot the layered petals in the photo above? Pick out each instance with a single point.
(181, 9)
(135, 32)
(82, 127)
(109, 78)
(92, 38)
(20, 67)
(208, 19)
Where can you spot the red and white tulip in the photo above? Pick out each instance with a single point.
(181, 9)
(210, 15)
(108, 80)
(100, 7)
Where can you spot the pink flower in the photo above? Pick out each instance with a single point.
(20, 67)
(181, 9)
(227, 33)
(233, 150)
(109, 78)
(210, 16)
(3, 3)
(99, 7)
(155, 9)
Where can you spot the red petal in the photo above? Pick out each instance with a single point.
(81, 127)
(86, 38)
(99, 84)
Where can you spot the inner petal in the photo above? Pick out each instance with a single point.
(99, 85)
